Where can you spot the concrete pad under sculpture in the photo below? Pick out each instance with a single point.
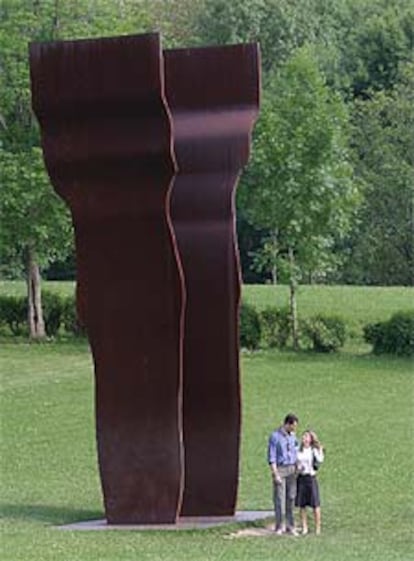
(183, 523)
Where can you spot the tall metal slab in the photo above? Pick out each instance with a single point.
(107, 142)
(213, 95)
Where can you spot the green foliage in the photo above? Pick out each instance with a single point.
(326, 333)
(395, 336)
(375, 334)
(372, 51)
(52, 312)
(360, 48)
(250, 329)
(381, 246)
(32, 216)
(176, 20)
(275, 326)
(299, 181)
(59, 310)
(249, 240)
(13, 313)
(280, 27)
(70, 318)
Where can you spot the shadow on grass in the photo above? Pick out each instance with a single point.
(48, 513)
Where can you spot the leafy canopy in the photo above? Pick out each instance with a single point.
(299, 181)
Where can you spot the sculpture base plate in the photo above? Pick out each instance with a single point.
(184, 523)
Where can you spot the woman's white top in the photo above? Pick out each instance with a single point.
(305, 460)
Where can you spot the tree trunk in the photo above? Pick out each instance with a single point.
(34, 299)
(275, 250)
(293, 304)
(56, 21)
(411, 245)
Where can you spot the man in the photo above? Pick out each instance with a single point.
(282, 451)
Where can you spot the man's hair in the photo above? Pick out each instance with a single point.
(290, 419)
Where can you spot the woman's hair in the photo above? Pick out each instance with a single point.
(314, 439)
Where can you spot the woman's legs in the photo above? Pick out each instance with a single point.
(317, 516)
(304, 520)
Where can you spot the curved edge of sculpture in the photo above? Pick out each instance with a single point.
(107, 142)
(213, 95)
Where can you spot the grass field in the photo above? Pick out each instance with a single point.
(362, 406)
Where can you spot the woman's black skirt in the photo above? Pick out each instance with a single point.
(307, 491)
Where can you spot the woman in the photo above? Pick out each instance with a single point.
(310, 456)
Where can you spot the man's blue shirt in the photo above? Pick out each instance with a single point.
(282, 449)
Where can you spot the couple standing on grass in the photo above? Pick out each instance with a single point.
(293, 467)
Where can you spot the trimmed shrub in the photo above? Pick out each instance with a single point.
(395, 336)
(52, 305)
(275, 326)
(13, 313)
(326, 333)
(250, 330)
(70, 318)
(375, 334)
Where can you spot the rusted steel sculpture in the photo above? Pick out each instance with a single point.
(108, 140)
(213, 95)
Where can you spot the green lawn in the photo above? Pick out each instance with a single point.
(362, 406)
(18, 288)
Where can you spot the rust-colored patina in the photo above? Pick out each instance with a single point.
(213, 95)
(106, 138)
(151, 278)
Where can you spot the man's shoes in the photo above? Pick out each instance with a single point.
(288, 531)
(305, 532)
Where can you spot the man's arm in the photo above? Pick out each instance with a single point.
(275, 474)
(271, 456)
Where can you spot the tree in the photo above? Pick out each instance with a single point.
(299, 183)
(279, 26)
(176, 20)
(382, 244)
(35, 224)
(368, 42)
(381, 45)
(36, 227)
(250, 240)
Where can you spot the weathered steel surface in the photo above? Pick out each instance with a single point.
(107, 143)
(213, 95)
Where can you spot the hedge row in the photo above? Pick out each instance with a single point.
(59, 314)
(395, 336)
(323, 333)
(271, 328)
(268, 328)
